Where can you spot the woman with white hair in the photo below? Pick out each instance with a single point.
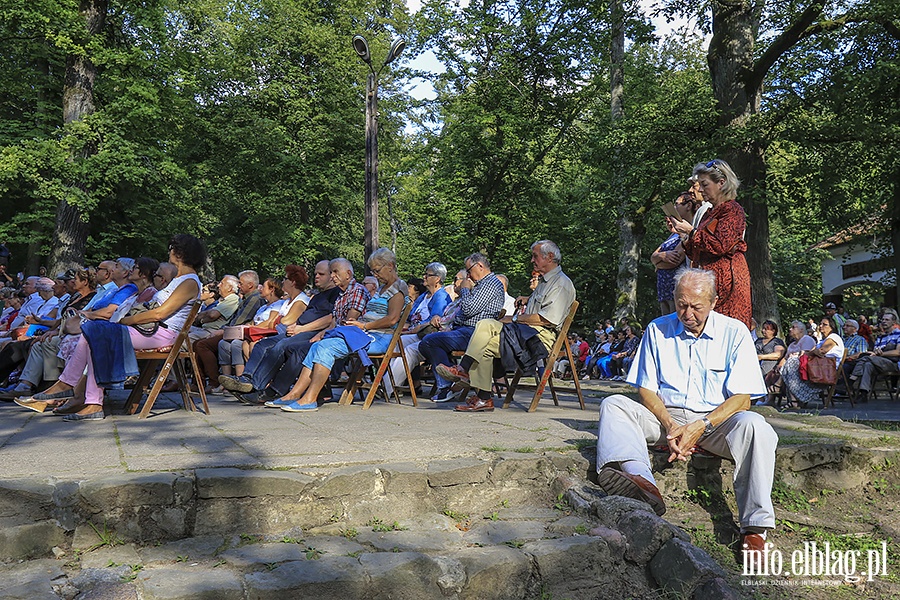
(717, 243)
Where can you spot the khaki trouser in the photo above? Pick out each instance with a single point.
(484, 347)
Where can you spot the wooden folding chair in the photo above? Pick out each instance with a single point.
(171, 357)
(560, 348)
(381, 366)
(829, 390)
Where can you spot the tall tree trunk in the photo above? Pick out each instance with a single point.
(631, 228)
(738, 85)
(895, 231)
(72, 227)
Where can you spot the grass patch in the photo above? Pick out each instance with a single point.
(378, 525)
(493, 448)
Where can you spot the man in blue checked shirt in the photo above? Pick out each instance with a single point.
(481, 296)
(696, 371)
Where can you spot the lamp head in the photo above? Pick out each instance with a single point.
(362, 49)
(397, 47)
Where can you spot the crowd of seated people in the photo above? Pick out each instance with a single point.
(84, 327)
(835, 337)
(67, 340)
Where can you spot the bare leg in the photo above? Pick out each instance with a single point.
(60, 386)
(318, 380)
(302, 384)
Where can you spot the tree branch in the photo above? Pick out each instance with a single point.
(784, 42)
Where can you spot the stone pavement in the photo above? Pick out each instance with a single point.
(392, 502)
(235, 435)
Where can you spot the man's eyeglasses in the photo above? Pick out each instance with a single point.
(469, 269)
(427, 274)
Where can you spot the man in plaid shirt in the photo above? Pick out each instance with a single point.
(481, 296)
(285, 364)
(545, 310)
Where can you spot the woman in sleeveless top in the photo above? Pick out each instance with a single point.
(175, 302)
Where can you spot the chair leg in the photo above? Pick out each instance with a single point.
(511, 388)
(196, 373)
(352, 385)
(553, 391)
(376, 383)
(183, 386)
(541, 385)
(157, 387)
(137, 392)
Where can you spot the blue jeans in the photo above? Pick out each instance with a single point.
(269, 356)
(326, 352)
(436, 348)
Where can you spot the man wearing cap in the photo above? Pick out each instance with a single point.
(832, 313)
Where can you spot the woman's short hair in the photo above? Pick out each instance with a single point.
(381, 257)
(799, 325)
(438, 269)
(189, 250)
(146, 267)
(276, 285)
(831, 322)
(213, 289)
(718, 170)
(86, 274)
(772, 324)
(418, 284)
(298, 276)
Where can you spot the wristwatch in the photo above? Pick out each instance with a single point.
(709, 426)
(515, 318)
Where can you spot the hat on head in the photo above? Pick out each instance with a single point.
(128, 263)
(852, 322)
(831, 305)
(66, 275)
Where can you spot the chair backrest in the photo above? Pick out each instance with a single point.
(395, 338)
(183, 337)
(562, 335)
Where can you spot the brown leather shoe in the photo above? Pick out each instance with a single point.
(619, 483)
(476, 404)
(452, 373)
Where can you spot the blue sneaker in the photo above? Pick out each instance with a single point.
(278, 403)
(296, 407)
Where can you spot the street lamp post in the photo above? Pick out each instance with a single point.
(361, 46)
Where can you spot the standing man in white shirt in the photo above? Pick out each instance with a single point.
(696, 371)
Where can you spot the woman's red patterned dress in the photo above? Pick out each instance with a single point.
(718, 245)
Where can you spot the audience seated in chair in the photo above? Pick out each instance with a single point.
(545, 310)
(481, 297)
(107, 360)
(276, 361)
(377, 324)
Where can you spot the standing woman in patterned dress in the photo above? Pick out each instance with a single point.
(717, 243)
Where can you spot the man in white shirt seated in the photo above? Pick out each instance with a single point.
(696, 371)
(509, 303)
